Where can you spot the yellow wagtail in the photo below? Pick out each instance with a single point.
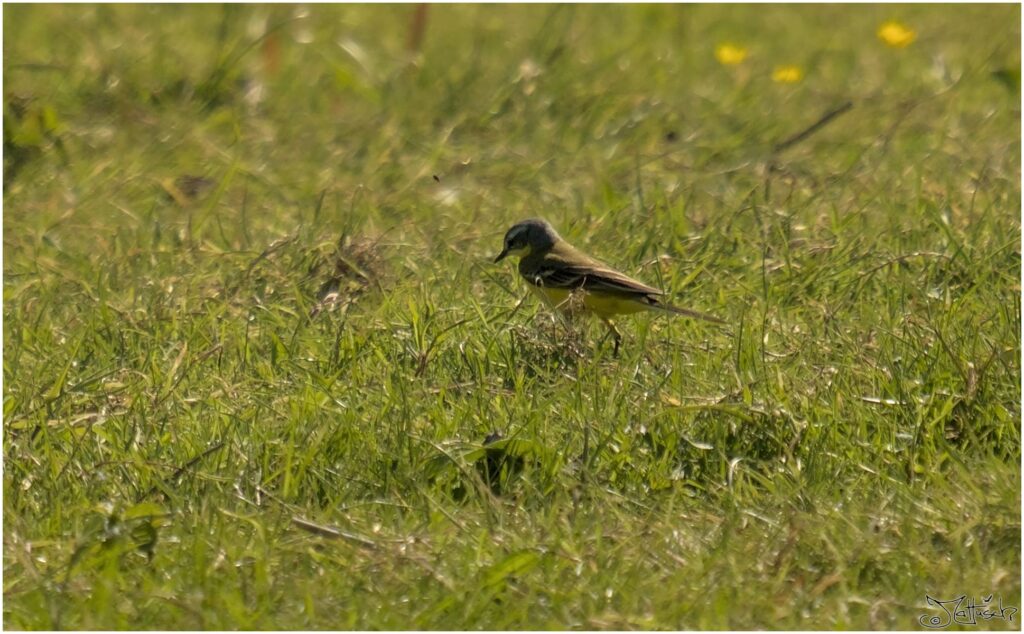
(556, 270)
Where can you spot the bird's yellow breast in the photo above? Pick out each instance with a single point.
(600, 304)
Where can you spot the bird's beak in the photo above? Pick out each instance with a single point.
(501, 256)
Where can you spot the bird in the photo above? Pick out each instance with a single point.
(556, 271)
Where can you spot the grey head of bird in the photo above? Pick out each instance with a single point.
(528, 236)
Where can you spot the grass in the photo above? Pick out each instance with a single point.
(260, 400)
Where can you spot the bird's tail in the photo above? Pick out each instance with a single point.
(688, 313)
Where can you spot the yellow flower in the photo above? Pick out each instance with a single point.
(787, 74)
(895, 34)
(730, 54)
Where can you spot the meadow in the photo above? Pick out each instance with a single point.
(260, 371)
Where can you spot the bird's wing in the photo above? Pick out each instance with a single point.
(578, 271)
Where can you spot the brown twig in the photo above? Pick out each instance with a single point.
(185, 467)
(814, 127)
(331, 532)
(417, 27)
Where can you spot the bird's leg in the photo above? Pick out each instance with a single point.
(614, 332)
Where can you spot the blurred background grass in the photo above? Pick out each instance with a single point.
(253, 343)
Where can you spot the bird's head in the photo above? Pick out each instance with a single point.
(526, 237)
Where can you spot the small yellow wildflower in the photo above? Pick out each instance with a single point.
(787, 74)
(730, 54)
(895, 34)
